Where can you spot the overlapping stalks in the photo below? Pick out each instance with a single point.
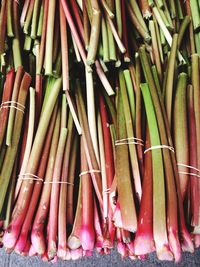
(100, 127)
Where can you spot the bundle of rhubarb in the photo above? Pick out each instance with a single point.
(100, 127)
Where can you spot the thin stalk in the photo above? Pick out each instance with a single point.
(35, 18)
(62, 210)
(37, 233)
(170, 78)
(54, 202)
(40, 19)
(50, 37)
(3, 19)
(156, 53)
(130, 134)
(181, 131)
(4, 112)
(29, 14)
(29, 140)
(125, 192)
(22, 202)
(138, 14)
(182, 30)
(9, 22)
(71, 180)
(43, 38)
(89, 149)
(195, 14)
(104, 40)
(24, 12)
(86, 26)
(87, 233)
(111, 43)
(91, 112)
(64, 48)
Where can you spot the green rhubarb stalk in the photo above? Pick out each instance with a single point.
(131, 95)
(11, 151)
(35, 19)
(49, 38)
(195, 14)
(185, 23)
(159, 205)
(181, 131)
(111, 43)
(125, 191)
(95, 32)
(118, 17)
(130, 134)
(170, 78)
(40, 21)
(10, 32)
(138, 13)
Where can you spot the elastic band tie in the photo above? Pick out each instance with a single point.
(58, 182)
(158, 147)
(129, 141)
(89, 172)
(13, 104)
(31, 176)
(188, 166)
(190, 173)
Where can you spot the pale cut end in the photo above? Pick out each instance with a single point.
(164, 254)
(32, 251)
(121, 248)
(63, 253)
(175, 246)
(143, 244)
(21, 243)
(74, 242)
(76, 254)
(10, 238)
(197, 241)
(52, 250)
(87, 238)
(38, 242)
(186, 242)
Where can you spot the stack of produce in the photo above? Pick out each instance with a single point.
(100, 127)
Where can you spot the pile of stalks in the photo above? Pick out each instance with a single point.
(100, 128)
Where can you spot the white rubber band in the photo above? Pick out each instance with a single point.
(29, 176)
(11, 106)
(188, 166)
(107, 191)
(190, 173)
(158, 147)
(13, 102)
(129, 141)
(89, 172)
(58, 182)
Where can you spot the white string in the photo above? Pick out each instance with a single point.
(129, 141)
(31, 176)
(58, 182)
(158, 147)
(188, 166)
(11, 106)
(89, 172)
(106, 191)
(190, 173)
(13, 102)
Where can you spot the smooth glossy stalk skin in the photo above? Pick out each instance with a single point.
(21, 242)
(71, 178)
(10, 156)
(15, 92)
(159, 205)
(53, 214)
(22, 202)
(49, 38)
(37, 233)
(125, 191)
(181, 131)
(89, 150)
(170, 78)
(87, 234)
(74, 238)
(144, 242)
(4, 112)
(62, 210)
(169, 160)
(3, 19)
(130, 134)
(43, 39)
(194, 183)
(16, 40)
